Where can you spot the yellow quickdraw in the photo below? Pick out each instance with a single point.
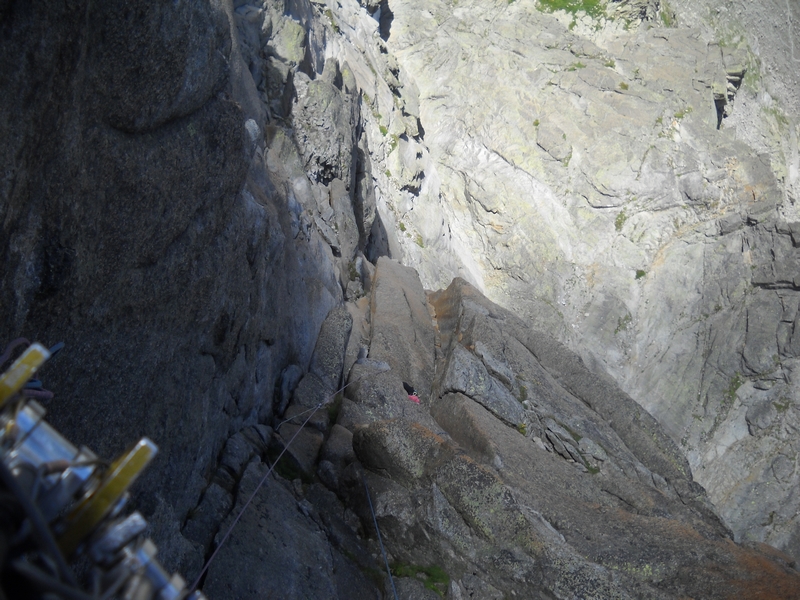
(114, 483)
(13, 380)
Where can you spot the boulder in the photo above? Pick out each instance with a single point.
(323, 120)
(301, 446)
(466, 374)
(204, 523)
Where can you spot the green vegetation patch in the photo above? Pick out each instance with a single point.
(778, 115)
(435, 578)
(667, 15)
(683, 112)
(619, 222)
(334, 24)
(782, 408)
(639, 571)
(622, 323)
(640, 273)
(575, 66)
(623, 86)
(735, 383)
(575, 435)
(394, 141)
(752, 77)
(734, 37)
(593, 8)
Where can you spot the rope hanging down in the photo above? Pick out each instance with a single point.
(383, 367)
(249, 500)
(380, 540)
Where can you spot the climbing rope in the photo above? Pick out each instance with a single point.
(250, 499)
(312, 410)
(383, 367)
(380, 540)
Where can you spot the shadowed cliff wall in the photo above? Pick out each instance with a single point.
(141, 226)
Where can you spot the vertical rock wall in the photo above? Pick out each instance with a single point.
(162, 217)
(619, 179)
(188, 190)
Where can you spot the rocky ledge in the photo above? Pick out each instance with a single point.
(520, 473)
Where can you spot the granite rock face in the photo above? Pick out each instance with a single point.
(159, 216)
(584, 497)
(191, 192)
(290, 548)
(609, 178)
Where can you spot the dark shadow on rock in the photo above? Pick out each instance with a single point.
(421, 130)
(307, 65)
(303, 12)
(378, 243)
(134, 227)
(363, 193)
(719, 104)
(386, 20)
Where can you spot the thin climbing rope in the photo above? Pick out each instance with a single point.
(298, 415)
(380, 540)
(269, 471)
(249, 500)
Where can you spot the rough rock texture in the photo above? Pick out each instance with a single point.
(289, 548)
(190, 190)
(608, 177)
(584, 497)
(159, 217)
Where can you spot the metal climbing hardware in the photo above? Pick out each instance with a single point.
(13, 380)
(113, 485)
(61, 503)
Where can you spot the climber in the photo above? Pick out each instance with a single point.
(412, 394)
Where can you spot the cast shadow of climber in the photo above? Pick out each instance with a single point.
(378, 244)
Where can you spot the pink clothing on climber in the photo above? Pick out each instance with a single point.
(412, 393)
